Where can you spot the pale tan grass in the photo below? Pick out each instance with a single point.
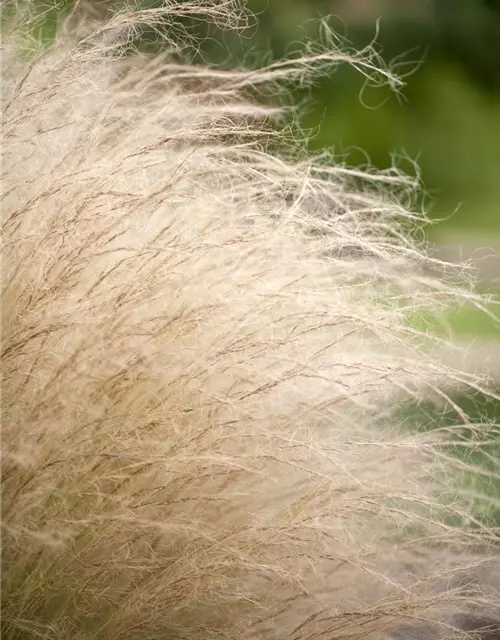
(199, 339)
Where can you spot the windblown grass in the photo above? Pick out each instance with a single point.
(199, 340)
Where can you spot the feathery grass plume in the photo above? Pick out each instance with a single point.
(199, 340)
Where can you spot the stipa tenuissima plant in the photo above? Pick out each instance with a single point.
(199, 340)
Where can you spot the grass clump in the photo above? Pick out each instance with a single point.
(199, 339)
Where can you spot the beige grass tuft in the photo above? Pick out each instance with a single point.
(199, 340)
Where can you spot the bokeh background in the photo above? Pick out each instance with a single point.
(446, 119)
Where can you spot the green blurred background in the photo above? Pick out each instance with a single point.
(448, 115)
